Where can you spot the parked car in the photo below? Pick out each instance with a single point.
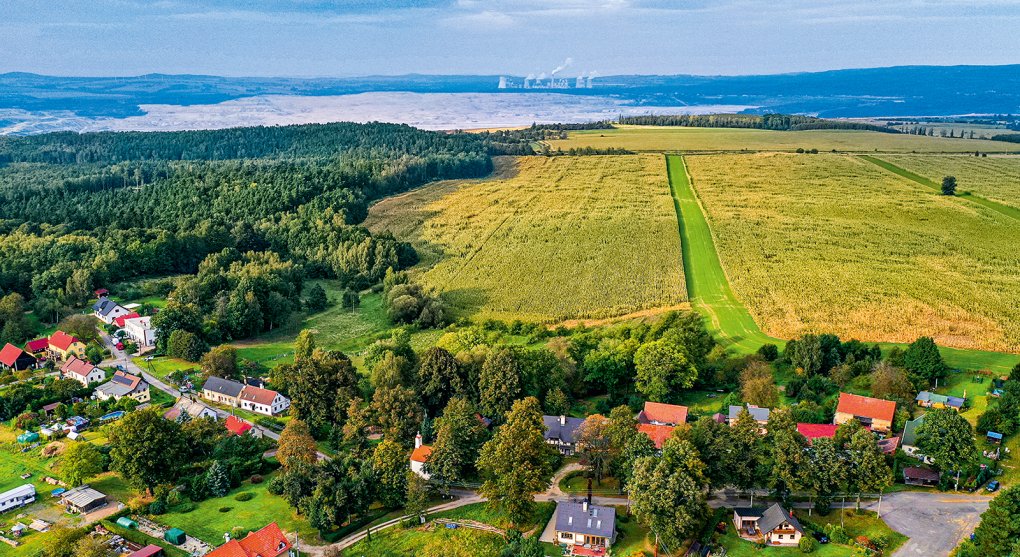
(993, 486)
(120, 346)
(821, 537)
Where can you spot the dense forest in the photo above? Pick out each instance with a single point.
(779, 122)
(79, 211)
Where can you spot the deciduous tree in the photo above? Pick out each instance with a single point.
(500, 382)
(459, 435)
(398, 412)
(439, 379)
(147, 449)
(668, 493)
(296, 444)
(322, 387)
(663, 369)
(80, 462)
(389, 462)
(948, 439)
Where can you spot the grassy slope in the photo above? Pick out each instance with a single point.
(710, 293)
(660, 139)
(547, 239)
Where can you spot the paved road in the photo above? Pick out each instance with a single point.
(935, 522)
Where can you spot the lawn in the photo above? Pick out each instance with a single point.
(864, 523)
(429, 542)
(546, 239)
(994, 178)
(14, 463)
(482, 512)
(833, 243)
(661, 139)
(208, 522)
(861, 523)
(161, 366)
(577, 483)
(631, 538)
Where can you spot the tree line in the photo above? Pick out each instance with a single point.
(778, 122)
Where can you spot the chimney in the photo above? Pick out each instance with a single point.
(417, 440)
(226, 537)
(563, 420)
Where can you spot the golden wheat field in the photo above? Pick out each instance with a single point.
(996, 177)
(832, 243)
(546, 239)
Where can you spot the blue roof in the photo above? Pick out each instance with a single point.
(994, 435)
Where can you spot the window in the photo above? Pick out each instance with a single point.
(780, 536)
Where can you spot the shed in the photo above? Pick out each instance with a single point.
(148, 551)
(28, 437)
(83, 499)
(175, 536)
(994, 437)
(920, 476)
(126, 522)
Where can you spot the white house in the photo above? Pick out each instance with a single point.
(17, 497)
(774, 525)
(81, 371)
(140, 330)
(262, 401)
(584, 526)
(124, 384)
(420, 455)
(106, 310)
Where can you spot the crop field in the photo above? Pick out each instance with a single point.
(661, 138)
(994, 178)
(547, 239)
(834, 243)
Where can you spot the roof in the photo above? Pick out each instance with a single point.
(223, 386)
(78, 367)
(143, 321)
(657, 433)
(81, 496)
(122, 383)
(120, 320)
(257, 395)
(190, 407)
(658, 412)
(10, 354)
(867, 407)
(61, 340)
(20, 491)
(237, 426)
(935, 398)
(745, 512)
(596, 521)
(106, 306)
(421, 454)
(565, 432)
(147, 551)
(909, 436)
(917, 473)
(995, 435)
(759, 414)
(889, 445)
(101, 304)
(37, 345)
(266, 542)
(775, 516)
(817, 431)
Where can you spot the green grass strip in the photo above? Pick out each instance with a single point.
(1006, 210)
(710, 294)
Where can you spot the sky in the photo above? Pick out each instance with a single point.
(312, 38)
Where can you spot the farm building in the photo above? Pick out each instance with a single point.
(873, 413)
(926, 399)
(585, 526)
(124, 384)
(16, 359)
(559, 432)
(420, 456)
(148, 551)
(773, 526)
(17, 497)
(266, 542)
(920, 476)
(657, 413)
(82, 499)
(81, 371)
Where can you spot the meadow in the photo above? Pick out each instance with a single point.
(680, 139)
(994, 178)
(834, 243)
(547, 239)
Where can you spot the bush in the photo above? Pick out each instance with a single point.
(185, 508)
(807, 544)
(157, 507)
(245, 496)
(256, 479)
(226, 509)
(275, 485)
(769, 352)
(836, 534)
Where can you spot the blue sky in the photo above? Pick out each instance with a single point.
(360, 37)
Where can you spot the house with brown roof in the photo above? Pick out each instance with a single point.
(773, 525)
(267, 542)
(81, 371)
(262, 401)
(124, 384)
(16, 359)
(63, 346)
(420, 456)
(873, 413)
(657, 433)
(658, 413)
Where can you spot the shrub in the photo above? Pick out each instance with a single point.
(807, 544)
(863, 541)
(256, 478)
(769, 352)
(275, 485)
(226, 509)
(157, 507)
(185, 508)
(245, 496)
(836, 534)
(174, 498)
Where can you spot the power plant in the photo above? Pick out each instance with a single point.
(552, 80)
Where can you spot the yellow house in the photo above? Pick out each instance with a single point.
(63, 346)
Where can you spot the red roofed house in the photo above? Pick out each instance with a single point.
(662, 414)
(817, 431)
(38, 347)
(420, 455)
(119, 321)
(16, 359)
(875, 413)
(262, 401)
(657, 433)
(237, 426)
(267, 542)
(81, 371)
(64, 346)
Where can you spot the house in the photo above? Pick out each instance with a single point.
(927, 399)
(924, 477)
(38, 347)
(583, 526)
(16, 359)
(237, 426)
(817, 431)
(17, 497)
(267, 542)
(63, 346)
(221, 391)
(774, 525)
(81, 371)
(140, 330)
(262, 401)
(559, 432)
(889, 445)
(82, 499)
(106, 310)
(119, 322)
(873, 413)
(657, 413)
(909, 437)
(124, 384)
(760, 415)
(657, 433)
(190, 408)
(420, 456)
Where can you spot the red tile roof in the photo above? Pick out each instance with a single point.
(889, 445)
(267, 542)
(817, 431)
(422, 453)
(257, 395)
(147, 551)
(867, 407)
(62, 340)
(9, 354)
(663, 413)
(77, 367)
(657, 433)
(120, 320)
(237, 426)
(37, 345)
